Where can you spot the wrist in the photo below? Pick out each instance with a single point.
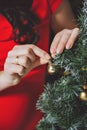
(6, 81)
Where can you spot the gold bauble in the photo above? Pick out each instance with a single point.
(85, 87)
(83, 96)
(51, 68)
(66, 73)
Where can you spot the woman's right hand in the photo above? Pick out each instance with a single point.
(20, 60)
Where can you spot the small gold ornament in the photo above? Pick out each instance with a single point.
(83, 95)
(84, 68)
(85, 87)
(51, 68)
(66, 73)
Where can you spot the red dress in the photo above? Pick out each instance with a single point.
(18, 103)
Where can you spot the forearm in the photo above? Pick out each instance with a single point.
(3, 82)
(65, 27)
(63, 18)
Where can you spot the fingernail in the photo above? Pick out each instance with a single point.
(77, 29)
(52, 50)
(59, 51)
(68, 46)
(53, 55)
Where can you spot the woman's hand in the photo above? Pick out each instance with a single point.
(63, 40)
(22, 59)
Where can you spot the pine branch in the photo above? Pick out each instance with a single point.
(61, 101)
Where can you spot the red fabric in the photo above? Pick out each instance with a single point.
(18, 103)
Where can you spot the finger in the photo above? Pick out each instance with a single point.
(38, 62)
(20, 51)
(22, 60)
(72, 38)
(25, 61)
(55, 43)
(31, 56)
(27, 50)
(63, 41)
(40, 53)
(53, 54)
(14, 69)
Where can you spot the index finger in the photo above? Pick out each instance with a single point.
(40, 53)
(27, 49)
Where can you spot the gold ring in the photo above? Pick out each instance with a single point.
(16, 60)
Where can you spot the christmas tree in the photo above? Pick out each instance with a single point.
(64, 102)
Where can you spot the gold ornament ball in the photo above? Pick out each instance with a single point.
(85, 87)
(66, 73)
(51, 68)
(83, 96)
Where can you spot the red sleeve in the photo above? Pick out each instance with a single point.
(6, 44)
(5, 29)
(54, 4)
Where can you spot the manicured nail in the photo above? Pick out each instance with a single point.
(77, 29)
(68, 46)
(53, 55)
(59, 51)
(52, 50)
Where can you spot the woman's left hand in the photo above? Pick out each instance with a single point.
(65, 39)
